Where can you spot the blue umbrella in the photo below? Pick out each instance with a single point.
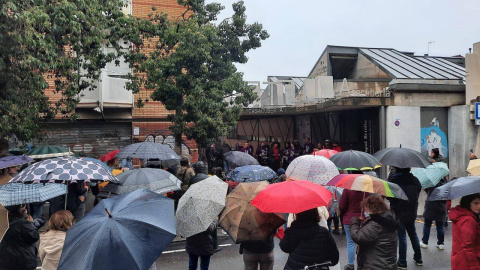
(18, 193)
(10, 161)
(103, 164)
(128, 231)
(252, 173)
(457, 188)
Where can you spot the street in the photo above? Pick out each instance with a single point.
(176, 258)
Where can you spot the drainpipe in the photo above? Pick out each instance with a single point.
(383, 137)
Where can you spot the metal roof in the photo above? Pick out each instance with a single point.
(403, 66)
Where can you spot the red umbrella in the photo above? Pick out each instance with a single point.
(291, 197)
(328, 153)
(109, 156)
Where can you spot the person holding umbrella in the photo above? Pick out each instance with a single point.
(466, 233)
(434, 211)
(17, 249)
(308, 243)
(200, 245)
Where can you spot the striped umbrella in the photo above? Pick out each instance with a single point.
(18, 193)
(367, 183)
(430, 176)
(474, 167)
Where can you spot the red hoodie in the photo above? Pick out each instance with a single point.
(466, 239)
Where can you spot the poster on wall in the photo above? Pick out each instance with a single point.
(434, 130)
(303, 127)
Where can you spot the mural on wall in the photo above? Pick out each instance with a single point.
(434, 131)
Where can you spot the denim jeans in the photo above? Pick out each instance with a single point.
(403, 229)
(193, 263)
(440, 231)
(351, 246)
(226, 166)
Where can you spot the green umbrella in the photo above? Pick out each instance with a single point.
(430, 176)
(48, 151)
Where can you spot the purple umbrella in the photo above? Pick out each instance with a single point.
(11, 161)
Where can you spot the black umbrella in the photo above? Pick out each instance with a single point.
(457, 188)
(351, 159)
(239, 159)
(402, 157)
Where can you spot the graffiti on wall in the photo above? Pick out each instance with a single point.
(434, 137)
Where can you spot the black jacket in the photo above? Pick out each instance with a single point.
(75, 190)
(377, 241)
(17, 249)
(258, 246)
(406, 211)
(435, 210)
(201, 244)
(197, 178)
(308, 244)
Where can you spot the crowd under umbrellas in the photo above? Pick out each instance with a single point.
(142, 222)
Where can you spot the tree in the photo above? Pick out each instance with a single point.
(61, 40)
(191, 68)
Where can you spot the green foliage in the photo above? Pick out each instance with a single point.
(192, 71)
(60, 40)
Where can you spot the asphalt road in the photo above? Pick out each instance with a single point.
(176, 258)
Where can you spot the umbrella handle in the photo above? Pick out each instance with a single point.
(108, 212)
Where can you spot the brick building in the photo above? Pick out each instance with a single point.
(108, 116)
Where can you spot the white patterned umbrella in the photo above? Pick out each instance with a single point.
(316, 169)
(64, 170)
(18, 193)
(200, 206)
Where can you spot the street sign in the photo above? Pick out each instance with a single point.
(477, 113)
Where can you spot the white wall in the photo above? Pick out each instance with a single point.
(408, 133)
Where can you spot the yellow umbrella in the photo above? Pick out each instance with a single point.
(474, 167)
(3, 221)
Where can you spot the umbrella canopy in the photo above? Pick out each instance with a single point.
(104, 165)
(370, 184)
(128, 231)
(150, 150)
(158, 181)
(109, 156)
(49, 151)
(239, 159)
(200, 206)
(291, 197)
(402, 158)
(3, 221)
(355, 160)
(328, 153)
(251, 173)
(474, 167)
(315, 169)
(457, 188)
(244, 222)
(11, 161)
(64, 170)
(430, 176)
(18, 193)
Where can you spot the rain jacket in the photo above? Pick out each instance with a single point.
(466, 239)
(50, 250)
(201, 244)
(17, 249)
(308, 244)
(349, 204)
(435, 210)
(405, 210)
(185, 174)
(377, 241)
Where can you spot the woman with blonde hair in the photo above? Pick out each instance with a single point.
(51, 242)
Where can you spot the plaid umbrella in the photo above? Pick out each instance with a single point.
(243, 221)
(430, 176)
(252, 173)
(64, 170)
(18, 193)
(316, 169)
(150, 150)
(49, 151)
(457, 188)
(10, 161)
(239, 159)
(200, 206)
(474, 167)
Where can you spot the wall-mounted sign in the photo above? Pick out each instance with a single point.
(397, 123)
(477, 113)
(136, 131)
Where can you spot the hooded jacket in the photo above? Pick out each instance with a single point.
(308, 244)
(406, 211)
(466, 239)
(185, 174)
(50, 249)
(377, 241)
(17, 249)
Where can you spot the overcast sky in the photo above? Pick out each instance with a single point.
(301, 29)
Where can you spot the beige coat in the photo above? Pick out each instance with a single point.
(50, 250)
